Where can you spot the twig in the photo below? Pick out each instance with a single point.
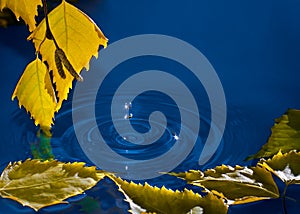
(49, 34)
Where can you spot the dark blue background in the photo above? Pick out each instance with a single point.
(254, 46)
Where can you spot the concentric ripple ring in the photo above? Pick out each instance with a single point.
(150, 45)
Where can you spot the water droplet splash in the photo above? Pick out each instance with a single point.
(128, 106)
(176, 137)
(128, 116)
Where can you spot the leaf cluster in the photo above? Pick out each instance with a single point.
(65, 40)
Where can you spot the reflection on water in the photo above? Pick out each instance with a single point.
(104, 197)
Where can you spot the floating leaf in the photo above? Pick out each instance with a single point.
(285, 166)
(285, 135)
(162, 200)
(240, 184)
(25, 9)
(39, 184)
(76, 35)
(32, 93)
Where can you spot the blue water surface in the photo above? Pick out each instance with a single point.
(254, 47)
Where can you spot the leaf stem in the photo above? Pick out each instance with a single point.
(49, 34)
(59, 54)
(284, 198)
(292, 199)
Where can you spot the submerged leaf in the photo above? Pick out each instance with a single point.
(32, 93)
(77, 36)
(240, 184)
(41, 147)
(38, 184)
(162, 200)
(285, 166)
(25, 9)
(285, 136)
(89, 205)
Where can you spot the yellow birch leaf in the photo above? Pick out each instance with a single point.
(25, 9)
(285, 136)
(149, 199)
(237, 184)
(78, 37)
(284, 166)
(32, 93)
(39, 184)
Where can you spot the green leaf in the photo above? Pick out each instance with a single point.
(145, 198)
(237, 184)
(89, 205)
(41, 147)
(39, 184)
(285, 166)
(285, 135)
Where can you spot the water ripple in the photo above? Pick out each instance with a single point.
(233, 148)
